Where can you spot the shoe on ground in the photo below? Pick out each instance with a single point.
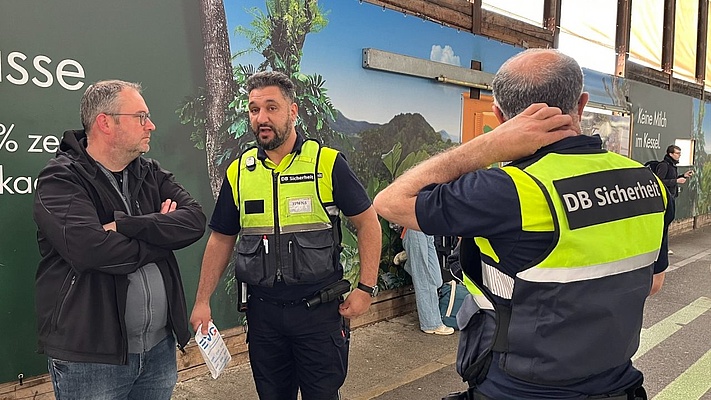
(400, 258)
(441, 330)
(671, 253)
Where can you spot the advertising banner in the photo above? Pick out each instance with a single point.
(50, 52)
(659, 117)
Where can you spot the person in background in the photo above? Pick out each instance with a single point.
(284, 198)
(666, 171)
(423, 265)
(546, 249)
(108, 292)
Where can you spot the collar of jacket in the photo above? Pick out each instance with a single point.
(73, 145)
(573, 144)
(670, 160)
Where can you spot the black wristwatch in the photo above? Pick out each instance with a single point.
(373, 291)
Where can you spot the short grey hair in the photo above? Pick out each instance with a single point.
(272, 78)
(103, 97)
(558, 83)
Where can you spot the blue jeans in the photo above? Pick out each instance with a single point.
(423, 266)
(148, 376)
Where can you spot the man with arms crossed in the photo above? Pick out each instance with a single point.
(557, 286)
(109, 296)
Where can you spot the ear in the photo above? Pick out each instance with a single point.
(584, 97)
(498, 114)
(103, 123)
(294, 110)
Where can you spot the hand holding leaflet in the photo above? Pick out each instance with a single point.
(213, 349)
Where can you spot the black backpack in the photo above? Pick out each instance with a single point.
(652, 164)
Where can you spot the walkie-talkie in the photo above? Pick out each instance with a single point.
(329, 293)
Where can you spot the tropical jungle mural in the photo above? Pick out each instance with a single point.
(319, 44)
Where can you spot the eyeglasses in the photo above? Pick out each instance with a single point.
(142, 116)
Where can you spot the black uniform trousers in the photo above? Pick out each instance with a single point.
(292, 347)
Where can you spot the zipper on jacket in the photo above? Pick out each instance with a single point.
(124, 332)
(123, 190)
(137, 189)
(146, 290)
(275, 206)
(173, 329)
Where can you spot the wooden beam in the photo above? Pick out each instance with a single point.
(461, 14)
(454, 13)
(515, 32)
(647, 75)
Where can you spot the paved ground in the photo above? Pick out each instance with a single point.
(393, 360)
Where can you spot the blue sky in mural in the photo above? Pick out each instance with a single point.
(375, 96)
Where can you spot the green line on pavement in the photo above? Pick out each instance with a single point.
(658, 332)
(691, 384)
(689, 260)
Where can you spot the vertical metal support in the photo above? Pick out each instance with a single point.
(551, 18)
(701, 44)
(668, 37)
(476, 17)
(622, 35)
(475, 93)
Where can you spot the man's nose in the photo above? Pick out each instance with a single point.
(261, 116)
(149, 124)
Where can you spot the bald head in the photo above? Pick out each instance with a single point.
(538, 76)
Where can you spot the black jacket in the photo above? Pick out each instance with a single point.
(81, 281)
(667, 172)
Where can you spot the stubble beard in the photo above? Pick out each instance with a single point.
(280, 136)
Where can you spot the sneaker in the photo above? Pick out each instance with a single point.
(671, 253)
(442, 330)
(400, 258)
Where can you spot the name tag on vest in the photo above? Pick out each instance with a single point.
(608, 196)
(300, 206)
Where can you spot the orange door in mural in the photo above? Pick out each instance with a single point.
(477, 117)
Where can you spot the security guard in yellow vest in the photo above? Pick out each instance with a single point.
(284, 199)
(566, 244)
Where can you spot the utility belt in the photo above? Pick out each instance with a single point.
(635, 392)
(327, 294)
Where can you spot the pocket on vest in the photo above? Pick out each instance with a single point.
(312, 256)
(251, 262)
(476, 337)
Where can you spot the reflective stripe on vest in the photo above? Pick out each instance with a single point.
(576, 311)
(479, 298)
